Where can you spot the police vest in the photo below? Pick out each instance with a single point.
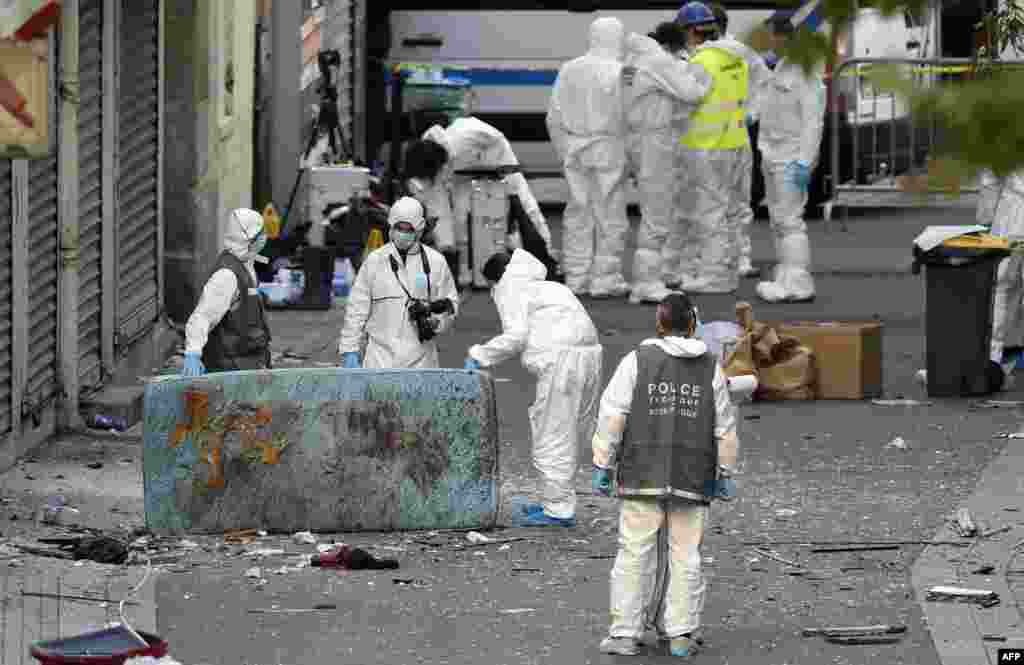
(669, 447)
(242, 338)
(719, 122)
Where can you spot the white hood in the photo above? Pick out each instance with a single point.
(438, 135)
(638, 45)
(524, 267)
(737, 48)
(680, 347)
(607, 35)
(242, 228)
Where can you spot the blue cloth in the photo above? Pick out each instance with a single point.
(542, 519)
(471, 364)
(193, 365)
(723, 488)
(351, 360)
(601, 481)
(800, 174)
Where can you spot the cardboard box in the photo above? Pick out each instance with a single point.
(848, 356)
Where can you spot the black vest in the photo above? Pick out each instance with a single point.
(669, 447)
(242, 338)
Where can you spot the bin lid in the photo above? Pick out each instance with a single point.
(933, 236)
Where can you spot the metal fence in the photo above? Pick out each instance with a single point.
(879, 148)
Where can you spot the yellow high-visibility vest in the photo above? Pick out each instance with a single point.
(719, 123)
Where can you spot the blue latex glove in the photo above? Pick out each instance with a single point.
(722, 488)
(471, 364)
(799, 174)
(751, 120)
(193, 365)
(351, 360)
(601, 481)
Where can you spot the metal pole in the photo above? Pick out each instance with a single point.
(286, 107)
(396, 133)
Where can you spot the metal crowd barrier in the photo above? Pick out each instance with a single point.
(899, 143)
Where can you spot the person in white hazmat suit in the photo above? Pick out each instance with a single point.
(227, 330)
(740, 213)
(716, 148)
(661, 84)
(468, 143)
(667, 427)
(792, 120)
(403, 298)
(1001, 207)
(548, 326)
(586, 124)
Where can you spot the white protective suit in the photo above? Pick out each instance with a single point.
(740, 213)
(377, 309)
(715, 197)
(221, 290)
(634, 572)
(792, 118)
(586, 125)
(1007, 219)
(546, 323)
(663, 86)
(472, 144)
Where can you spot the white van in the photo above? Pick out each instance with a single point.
(510, 51)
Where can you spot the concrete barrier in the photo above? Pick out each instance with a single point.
(321, 449)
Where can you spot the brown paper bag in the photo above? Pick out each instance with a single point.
(783, 366)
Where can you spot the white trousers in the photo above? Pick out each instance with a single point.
(634, 573)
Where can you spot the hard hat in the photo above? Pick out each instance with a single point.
(409, 210)
(695, 13)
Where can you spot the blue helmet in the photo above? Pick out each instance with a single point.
(694, 13)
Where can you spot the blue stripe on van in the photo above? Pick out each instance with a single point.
(504, 77)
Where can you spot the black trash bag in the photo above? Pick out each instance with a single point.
(533, 242)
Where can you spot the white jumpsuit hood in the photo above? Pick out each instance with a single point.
(585, 121)
(548, 326)
(220, 291)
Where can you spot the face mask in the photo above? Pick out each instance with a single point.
(403, 240)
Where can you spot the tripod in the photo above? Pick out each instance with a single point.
(327, 122)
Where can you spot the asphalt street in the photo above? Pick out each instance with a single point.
(817, 471)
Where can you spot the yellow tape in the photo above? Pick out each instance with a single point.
(859, 70)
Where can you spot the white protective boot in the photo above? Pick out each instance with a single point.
(793, 281)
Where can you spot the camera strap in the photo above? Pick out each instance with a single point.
(426, 271)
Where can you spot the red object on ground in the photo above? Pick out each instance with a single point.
(41, 21)
(14, 102)
(112, 646)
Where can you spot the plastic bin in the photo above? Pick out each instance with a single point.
(111, 646)
(960, 286)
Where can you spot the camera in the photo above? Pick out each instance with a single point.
(420, 312)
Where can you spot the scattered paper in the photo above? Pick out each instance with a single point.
(898, 442)
(477, 538)
(304, 538)
(253, 573)
(900, 402)
(519, 610)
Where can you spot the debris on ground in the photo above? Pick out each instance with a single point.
(855, 631)
(520, 610)
(56, 512)
(477, 538)
(304, 538)
(993, 638)
(264, 552)
(322, 607)
(786, 512)
(101, 549)
(984, 570)
(898, 443)
(351, 558)
(854, 548)
(982, 597)
(964, 523)
(899, 402)
(776, 557)
(995, 532)
(95, 465)
(241, 536)
(253, 573)
(1009, 435)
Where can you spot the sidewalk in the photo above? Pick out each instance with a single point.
(966, 634)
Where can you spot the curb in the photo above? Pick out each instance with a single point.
(957, 628)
